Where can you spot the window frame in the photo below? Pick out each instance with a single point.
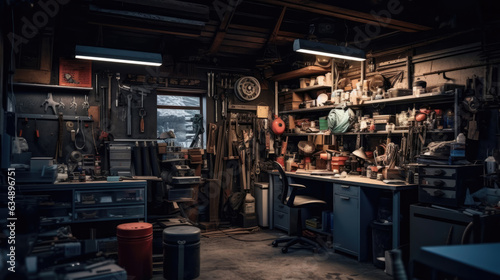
(200, 95)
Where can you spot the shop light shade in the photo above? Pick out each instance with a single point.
(116, 55)
(317, 48)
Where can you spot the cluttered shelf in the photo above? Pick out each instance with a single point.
(446, 130)
(424, 97)
(305, 89)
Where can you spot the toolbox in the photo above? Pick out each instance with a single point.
(447, 185)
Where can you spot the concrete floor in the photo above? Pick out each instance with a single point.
(251, 256)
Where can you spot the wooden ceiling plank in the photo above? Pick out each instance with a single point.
(244, 38)
(334, 11)
(250, 28)
(248, 33)
(238, 50)
(243, 44)
(143, 29)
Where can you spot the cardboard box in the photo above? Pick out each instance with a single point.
(294, 105)
(294, 97)
(162, 148)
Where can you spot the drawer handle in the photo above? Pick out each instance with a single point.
(281, 206)
(438, 193)
(439, 172)
(345, 197)
(439, 183)
(281, 215)
(345, 187)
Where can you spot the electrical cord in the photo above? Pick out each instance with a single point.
(237, 232)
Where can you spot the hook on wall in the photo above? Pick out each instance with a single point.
(444, 76)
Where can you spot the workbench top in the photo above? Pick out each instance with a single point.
(86, 184)
(351, 179)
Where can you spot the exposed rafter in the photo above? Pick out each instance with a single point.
(337, 12)
(223, 27)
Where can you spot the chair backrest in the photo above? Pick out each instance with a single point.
(284, 182)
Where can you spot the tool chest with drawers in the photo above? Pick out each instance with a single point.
(448, 185)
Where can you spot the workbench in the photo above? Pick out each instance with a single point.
(354, 201)
(90, 201)
(470, 261)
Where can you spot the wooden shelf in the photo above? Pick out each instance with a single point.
(394, 132)
(425, 97)
(314, 109)
(305, 89)
(300, 73)
(51, 86)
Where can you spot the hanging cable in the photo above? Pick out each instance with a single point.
(79, 122)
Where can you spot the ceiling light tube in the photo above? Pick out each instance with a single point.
(317, 48)
(116, 55)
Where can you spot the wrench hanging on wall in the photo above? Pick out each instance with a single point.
(129, 114)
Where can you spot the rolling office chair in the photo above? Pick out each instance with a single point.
(295, 201)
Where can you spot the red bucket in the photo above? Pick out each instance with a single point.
(135, 249)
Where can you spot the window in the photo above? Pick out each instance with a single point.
(176, 112)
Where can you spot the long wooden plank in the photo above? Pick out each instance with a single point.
(338, 12)
(250, 45)
(143, 29)
(237, 50)
(246, 38)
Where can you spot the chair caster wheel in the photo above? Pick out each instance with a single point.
(284, 250)
(275, 244)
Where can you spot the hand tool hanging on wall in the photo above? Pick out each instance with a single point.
(73, 104)
(209, 84)
(129, 114)
(85, 104)
(103, 108)
(59, 137)
(49, 101)
(96, 89)
(142, 112)
(109, 99)
(117, 89)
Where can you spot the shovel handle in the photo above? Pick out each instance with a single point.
(142, 125)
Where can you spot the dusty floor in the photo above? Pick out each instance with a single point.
(251, 256)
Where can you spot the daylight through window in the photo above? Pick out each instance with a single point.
(176, 113)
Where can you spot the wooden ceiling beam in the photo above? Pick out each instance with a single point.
(221, 32)
(145, 29)
(338, 12)
(277, 26)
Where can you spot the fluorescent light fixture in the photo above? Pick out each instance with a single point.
(311, 47)
(120, 56)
